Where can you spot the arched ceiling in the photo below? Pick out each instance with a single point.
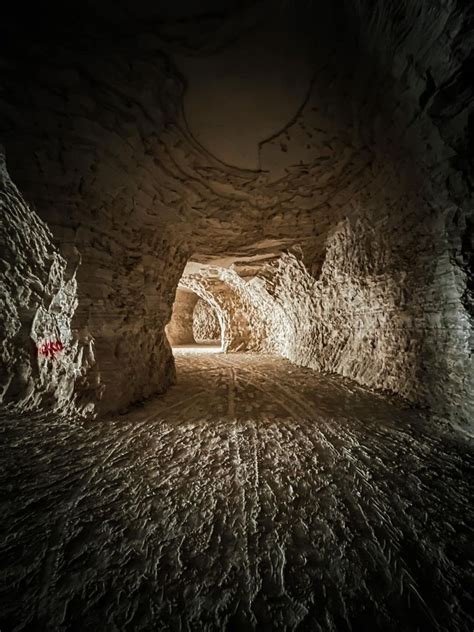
(247, 91)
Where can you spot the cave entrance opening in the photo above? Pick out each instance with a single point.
(195, 326)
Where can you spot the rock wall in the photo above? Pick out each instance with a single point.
(369, 318)
(205, 323)
(180, 329)
(88, 177)
(41, 357)
(242, 325)
(128, 320)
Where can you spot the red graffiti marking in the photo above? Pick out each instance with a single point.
(49, 349)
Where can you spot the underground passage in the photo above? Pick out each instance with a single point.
(194, 323)
(236, 316)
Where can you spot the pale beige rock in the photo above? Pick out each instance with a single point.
(180, 329)
(206, 326)
(352, 241)
(43, 361)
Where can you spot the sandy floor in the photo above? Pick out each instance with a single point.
(253, 495)
(203, 348)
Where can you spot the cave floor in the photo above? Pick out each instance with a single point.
(253, 495)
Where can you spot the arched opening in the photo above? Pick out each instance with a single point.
(194, 326)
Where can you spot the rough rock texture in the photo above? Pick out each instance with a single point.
(306, 169)
(242, 326)
(180, 328)
(205, 323)
(327, 324)
(253, 495)
(37, 304)
(370, 320)
(368, 183)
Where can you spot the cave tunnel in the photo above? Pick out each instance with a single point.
(236, 315)
(195, 324)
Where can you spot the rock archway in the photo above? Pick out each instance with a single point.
(193, 320)
(362, 183)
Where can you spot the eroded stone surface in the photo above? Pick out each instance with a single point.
(42, 358)
(253, 495)
(368, 185)
(180, 328)
(205, 323)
